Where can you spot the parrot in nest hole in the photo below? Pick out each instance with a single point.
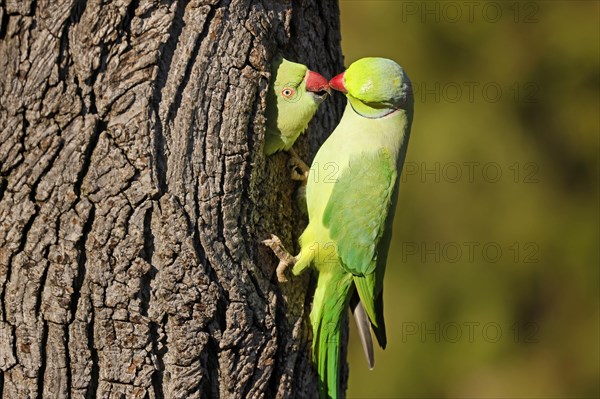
(351, 195)
(294, 96)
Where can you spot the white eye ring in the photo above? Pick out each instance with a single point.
(287, 92)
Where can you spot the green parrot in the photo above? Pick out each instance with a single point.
(294, 96)
(351, 194)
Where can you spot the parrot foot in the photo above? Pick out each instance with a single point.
(299, 170)
(285, 259)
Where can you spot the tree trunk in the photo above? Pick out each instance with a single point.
(134, 194)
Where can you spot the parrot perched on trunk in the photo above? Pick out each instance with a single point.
(351, 195)
(294, 95)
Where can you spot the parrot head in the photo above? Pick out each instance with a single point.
(292, 82)
(375, 86)
(295, 93)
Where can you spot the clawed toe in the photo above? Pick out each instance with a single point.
(285, 259)
(298, 169)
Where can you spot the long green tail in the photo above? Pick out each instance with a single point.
(329, 306)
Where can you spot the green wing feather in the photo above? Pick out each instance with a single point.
(359, 215)
(358, 208)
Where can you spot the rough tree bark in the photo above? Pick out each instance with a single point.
(134, 196)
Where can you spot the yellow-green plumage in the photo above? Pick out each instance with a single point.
(351, 193)
(294, 96)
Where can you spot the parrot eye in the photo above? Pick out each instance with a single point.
(288, 92)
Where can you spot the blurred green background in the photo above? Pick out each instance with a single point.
(492, 286)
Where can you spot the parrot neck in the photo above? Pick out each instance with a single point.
(370, 110)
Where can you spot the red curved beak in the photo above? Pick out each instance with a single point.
(316, 83)
(337, 83)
